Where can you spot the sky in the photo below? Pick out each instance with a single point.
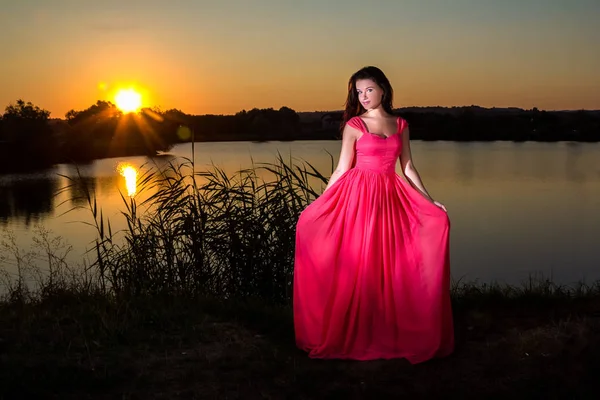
(220, 57)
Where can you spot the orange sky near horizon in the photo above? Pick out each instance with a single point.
(208, 58)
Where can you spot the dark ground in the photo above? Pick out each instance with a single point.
(85, 347)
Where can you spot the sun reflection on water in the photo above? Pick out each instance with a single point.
(129, 172)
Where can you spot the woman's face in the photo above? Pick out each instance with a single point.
(369, 93)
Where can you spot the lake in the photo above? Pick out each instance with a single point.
(516, 208)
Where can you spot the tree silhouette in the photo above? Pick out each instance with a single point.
(26, 135)
(22, 121)
(90, 131)
(102, 130)
(101, 111)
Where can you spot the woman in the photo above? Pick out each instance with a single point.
(371, 273)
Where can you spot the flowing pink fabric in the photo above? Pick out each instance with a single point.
(372, 271)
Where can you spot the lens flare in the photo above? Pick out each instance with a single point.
(184, 132)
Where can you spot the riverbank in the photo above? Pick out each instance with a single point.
(530, 342)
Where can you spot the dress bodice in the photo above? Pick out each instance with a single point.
(374, 152)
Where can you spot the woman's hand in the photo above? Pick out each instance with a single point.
(440, 205)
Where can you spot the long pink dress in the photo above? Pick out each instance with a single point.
(372, 273)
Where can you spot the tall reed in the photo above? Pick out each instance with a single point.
(206, 232)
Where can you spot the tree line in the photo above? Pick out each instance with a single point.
(30, 138)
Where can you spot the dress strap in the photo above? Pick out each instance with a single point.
(356, 122)
(403, 124)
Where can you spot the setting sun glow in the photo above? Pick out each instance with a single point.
(128, 100)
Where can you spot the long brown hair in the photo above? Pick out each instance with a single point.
(353, 106)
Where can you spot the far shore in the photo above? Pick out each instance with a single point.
(103, 131)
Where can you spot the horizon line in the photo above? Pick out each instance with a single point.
(341, 110)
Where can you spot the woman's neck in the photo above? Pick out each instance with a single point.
(378, 112)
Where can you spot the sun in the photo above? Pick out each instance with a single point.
(128, 100)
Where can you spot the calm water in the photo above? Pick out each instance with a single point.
(515, 208)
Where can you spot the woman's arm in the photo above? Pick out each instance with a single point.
(408, 168)
(349, 137)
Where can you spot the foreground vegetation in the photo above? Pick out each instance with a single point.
(193, 301)
(76, 343)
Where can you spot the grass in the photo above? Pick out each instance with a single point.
(192, 301)
(74, 344)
